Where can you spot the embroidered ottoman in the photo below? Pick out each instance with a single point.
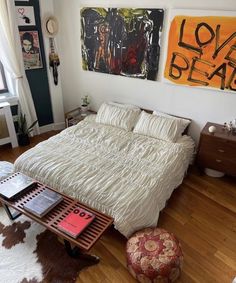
(154, 256)
(6, 169)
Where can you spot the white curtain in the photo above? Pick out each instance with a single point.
(12, 59)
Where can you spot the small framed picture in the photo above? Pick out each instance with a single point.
(25, 15)
(31, 50)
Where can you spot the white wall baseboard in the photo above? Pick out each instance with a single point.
(51, 127)
(59, 126)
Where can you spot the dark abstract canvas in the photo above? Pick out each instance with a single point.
(121, 41)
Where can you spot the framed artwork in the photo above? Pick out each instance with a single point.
(202, 49)
(31, 50)
(122, 41)
(25, 15)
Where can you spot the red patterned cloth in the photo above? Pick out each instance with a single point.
(154, 256)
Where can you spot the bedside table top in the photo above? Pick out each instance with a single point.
(76, 115)
(219, 133)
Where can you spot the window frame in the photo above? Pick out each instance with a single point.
(5, 89)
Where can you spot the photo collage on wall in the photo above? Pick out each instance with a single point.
(29, 37)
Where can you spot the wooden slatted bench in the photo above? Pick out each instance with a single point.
(84, 242)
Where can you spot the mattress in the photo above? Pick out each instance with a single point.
(125, 175)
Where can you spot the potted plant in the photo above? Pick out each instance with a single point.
(85, 104)
(24, 130)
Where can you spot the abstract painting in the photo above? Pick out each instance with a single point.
(121, 41)
(202, 49)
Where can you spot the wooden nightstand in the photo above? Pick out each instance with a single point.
(217, 150)
(74, 116)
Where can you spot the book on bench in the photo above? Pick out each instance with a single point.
(41, 204)
(76, 221)
(15, 185)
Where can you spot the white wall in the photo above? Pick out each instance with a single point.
(201, 105)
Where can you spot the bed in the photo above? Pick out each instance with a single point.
(124, 174)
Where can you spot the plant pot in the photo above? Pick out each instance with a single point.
(23, 139)
(84, 109)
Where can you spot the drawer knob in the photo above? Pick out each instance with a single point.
(218, 160)
(221, 150)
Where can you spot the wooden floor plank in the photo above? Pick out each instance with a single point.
(116, 245)
(197, 268)
(185, 278)
(212, 191)
(201, 213)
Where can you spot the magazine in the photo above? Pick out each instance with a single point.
(14, 185)
(41, 204)
(75, 222)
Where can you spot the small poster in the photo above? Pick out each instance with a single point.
(25, 15)
(31, 50)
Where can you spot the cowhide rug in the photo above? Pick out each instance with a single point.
(31, 254)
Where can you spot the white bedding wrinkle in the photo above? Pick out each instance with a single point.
(125, 175)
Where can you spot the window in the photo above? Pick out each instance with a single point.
(3, 85)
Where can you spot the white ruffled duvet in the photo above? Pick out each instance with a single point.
(125, 175)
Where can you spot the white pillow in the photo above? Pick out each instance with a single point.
(122, 105)
(184, 122)
(119, 115)
(159, 127)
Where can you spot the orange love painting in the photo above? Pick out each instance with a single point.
(202, 51)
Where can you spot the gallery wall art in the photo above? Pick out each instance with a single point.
(25, 15)
(202, 49)
(121, 41)
(31, 50)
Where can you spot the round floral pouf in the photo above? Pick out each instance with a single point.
(154, 256)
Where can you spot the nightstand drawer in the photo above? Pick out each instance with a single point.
(217, 163)
(218, 148)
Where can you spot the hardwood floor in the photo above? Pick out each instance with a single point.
(201, 213)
